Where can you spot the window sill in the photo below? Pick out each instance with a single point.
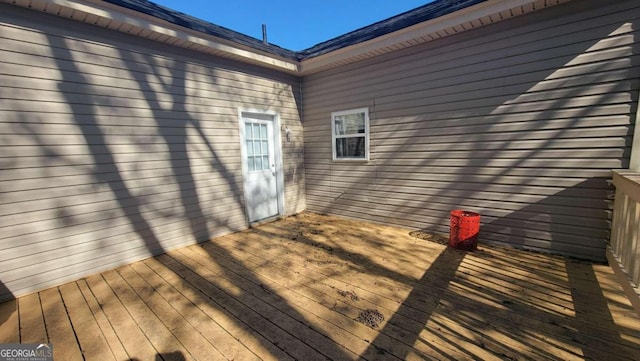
(350, 160)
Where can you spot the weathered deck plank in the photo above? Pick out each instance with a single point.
(273, 299)
(91, 340)
(330, 298)
(328, 301)
(133, 340)
(32, 328)
(242, 306)
(154, 329)
(58, 326)
(10, 330)
(184, 334)
(109, 333)
(293, 289)
(215, 334)
(237, 328)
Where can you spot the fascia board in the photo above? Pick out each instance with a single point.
(159, 26)
(462, 16)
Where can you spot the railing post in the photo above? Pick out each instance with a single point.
(634, 163)
(623, 252)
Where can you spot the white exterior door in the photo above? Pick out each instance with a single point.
(259, 166)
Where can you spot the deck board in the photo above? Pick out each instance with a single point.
(279, 298)
(187, 336)
(111, 338)
(10, 330)
(90, 338)
(206, 327)
(134, 341)
(161, 338)
(32, 327)
(237, 328)
(324, 292)
(58, 325)
(240, 304)
(293, 289)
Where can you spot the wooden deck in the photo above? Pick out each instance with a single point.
(294, 289)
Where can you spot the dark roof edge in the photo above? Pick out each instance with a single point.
(199, 25)
(418, 15)
(423, 13)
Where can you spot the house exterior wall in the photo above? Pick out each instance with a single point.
(520, 121)
(114, 148)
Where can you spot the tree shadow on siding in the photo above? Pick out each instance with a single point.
(106, 170)
(173, 124)
(489, 171)
(552, 225)
(503, 170)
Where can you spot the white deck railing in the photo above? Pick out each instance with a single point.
(623, 252)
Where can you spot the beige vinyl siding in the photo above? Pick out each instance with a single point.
(521, 121)
(113, 148)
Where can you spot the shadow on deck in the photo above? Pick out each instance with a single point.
(295, 288)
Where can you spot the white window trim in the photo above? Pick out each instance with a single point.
(334, 136)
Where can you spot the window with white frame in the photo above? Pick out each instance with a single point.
(350, 134)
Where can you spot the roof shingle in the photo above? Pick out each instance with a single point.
(423, 13)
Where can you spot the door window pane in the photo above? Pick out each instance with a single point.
(258, 163)
(257, 146)
(263, 131)
(250, 164)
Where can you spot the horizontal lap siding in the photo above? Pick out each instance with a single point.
(521, 121)
(113, 148)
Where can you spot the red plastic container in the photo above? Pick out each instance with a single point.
(464, 230)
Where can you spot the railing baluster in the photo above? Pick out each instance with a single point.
(624, 245)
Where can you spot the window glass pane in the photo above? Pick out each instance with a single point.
(265, 162)
(249, 148)
(349, 124)
(264, 147)
(263, 131)
(256, 131)
(247, 130)
(256, 147)
(250, 164)
(352, 147)
(258, 163)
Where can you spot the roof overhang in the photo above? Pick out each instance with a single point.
(472, 17)
(128, 21)
(132, 22)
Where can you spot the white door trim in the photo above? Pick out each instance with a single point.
(277, 139)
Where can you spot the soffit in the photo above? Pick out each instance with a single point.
(337, 52)
(472, 17)
(118, 18)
